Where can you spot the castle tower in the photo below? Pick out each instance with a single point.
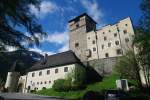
(79, 27)
(12, 79)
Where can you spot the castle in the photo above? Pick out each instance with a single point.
(88, 46)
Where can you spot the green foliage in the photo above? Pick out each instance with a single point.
(74, 81)
(79, 76)
(145, 20)
(16, 15)
(127, 66)
(108, 82)
(62, 85)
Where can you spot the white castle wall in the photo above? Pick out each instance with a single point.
(12, 81)
(46, 80)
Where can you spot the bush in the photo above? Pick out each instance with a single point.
(74, 81)
(61, 85)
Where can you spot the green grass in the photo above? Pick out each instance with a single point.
(108, 82)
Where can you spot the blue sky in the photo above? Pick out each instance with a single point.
(55, 14)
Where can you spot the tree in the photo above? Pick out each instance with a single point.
(127, 66)
(16, 19)
(142, 41)
(145, 20)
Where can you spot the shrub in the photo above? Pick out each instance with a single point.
(74, 81)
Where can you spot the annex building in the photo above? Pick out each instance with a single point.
(98, 48)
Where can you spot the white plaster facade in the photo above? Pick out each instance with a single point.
(34, 80)
(111, 40)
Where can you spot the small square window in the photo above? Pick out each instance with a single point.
(109, 44)
(76, 45)
(66, 69)
(118, 29)
(93, 41)
(33, 74)
(94, 49)
(48, 72)
(40, 73)
(126, 40)
(37, 83)
(105, 38)
(56, 70)
(41, 82)
(117, 42)
(77, 25)
(106, 55)
(89, 38)
(126, 24)
(109, 30)
(49, 81)
(102, 46)
(45, 82)
(103, 32)
(125, 31)
(115, 34)
(119, 51)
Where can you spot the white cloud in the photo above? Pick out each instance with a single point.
(45, 8)
(92, 9)
(41, 51)
(65, 47)
(57, 37)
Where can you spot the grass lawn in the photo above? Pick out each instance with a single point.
(108, 82)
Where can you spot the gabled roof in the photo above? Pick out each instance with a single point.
(55, 60)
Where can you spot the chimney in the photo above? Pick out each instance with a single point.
(45, 59)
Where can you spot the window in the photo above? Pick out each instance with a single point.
(125, 31)
(89, 38)
(109, 44)
(115, 34)
(49, 81)
(93, 41)
(119, 51)
(40, 73)
(56, 70)
(94, 49)
(33, 74)
(77, 25)
(37, 83)
(126, 40)
(66, 69)
(103, 32)
(126, 24)
(109, 30)
(45, 82)
(76, 45)
(118, 29)
(48, 72)
(102, 46)
(41, 82)
(117, 42)
(106, 55)
(105, 38)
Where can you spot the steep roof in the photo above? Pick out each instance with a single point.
(55, 60)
